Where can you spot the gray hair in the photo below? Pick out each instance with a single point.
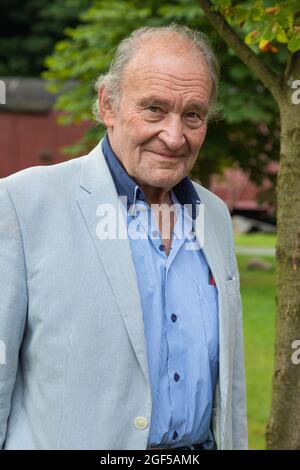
(126, 49)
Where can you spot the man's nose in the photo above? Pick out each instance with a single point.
(172, 133)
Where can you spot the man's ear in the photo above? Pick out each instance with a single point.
(106, 110)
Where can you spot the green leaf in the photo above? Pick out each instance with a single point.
(281, 35)
(294, 44)
(267, 33)
(253, 37)
(241, 14)
(256, 12)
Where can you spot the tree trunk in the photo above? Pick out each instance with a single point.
(283, 430)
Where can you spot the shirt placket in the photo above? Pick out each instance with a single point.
(172, 341)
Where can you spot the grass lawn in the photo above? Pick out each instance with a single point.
(258, 296)
(256, 239)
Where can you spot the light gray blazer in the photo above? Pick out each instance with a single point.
(76, 372)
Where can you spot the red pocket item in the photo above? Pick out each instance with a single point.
(211, 279)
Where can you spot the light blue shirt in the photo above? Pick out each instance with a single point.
(180, 311)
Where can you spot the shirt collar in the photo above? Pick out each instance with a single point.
(126, 186)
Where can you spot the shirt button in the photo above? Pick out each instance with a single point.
(137, 213)
(176, 377)
(140, 422)
(162, 247)
(155, 234)
(175, 435)
(173, 317)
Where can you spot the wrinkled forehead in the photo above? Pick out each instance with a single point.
(167, 66)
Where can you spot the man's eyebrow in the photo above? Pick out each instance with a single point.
(202, 108)
(157, 100)
(146, 100)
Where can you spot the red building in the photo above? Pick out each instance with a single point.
(29, 132)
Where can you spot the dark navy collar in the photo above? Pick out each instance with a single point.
(126, 186)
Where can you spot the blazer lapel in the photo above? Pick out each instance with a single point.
(113, 253)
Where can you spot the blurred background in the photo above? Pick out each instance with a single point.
(50, 55)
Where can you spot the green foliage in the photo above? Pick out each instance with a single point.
(29, 29)
(265, 23)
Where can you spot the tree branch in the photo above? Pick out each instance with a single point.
(255, 64)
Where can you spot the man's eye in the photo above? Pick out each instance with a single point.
(155, 109)
(194, 116)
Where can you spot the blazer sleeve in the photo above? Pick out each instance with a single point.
(13, 303)
(238, 403)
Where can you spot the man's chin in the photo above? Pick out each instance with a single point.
(164, 183)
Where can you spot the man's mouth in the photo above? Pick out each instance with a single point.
(164, 156)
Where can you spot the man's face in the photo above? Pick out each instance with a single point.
(158, 128)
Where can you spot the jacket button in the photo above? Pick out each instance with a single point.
(140, 422)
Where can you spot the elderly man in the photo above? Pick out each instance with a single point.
(120, 307)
